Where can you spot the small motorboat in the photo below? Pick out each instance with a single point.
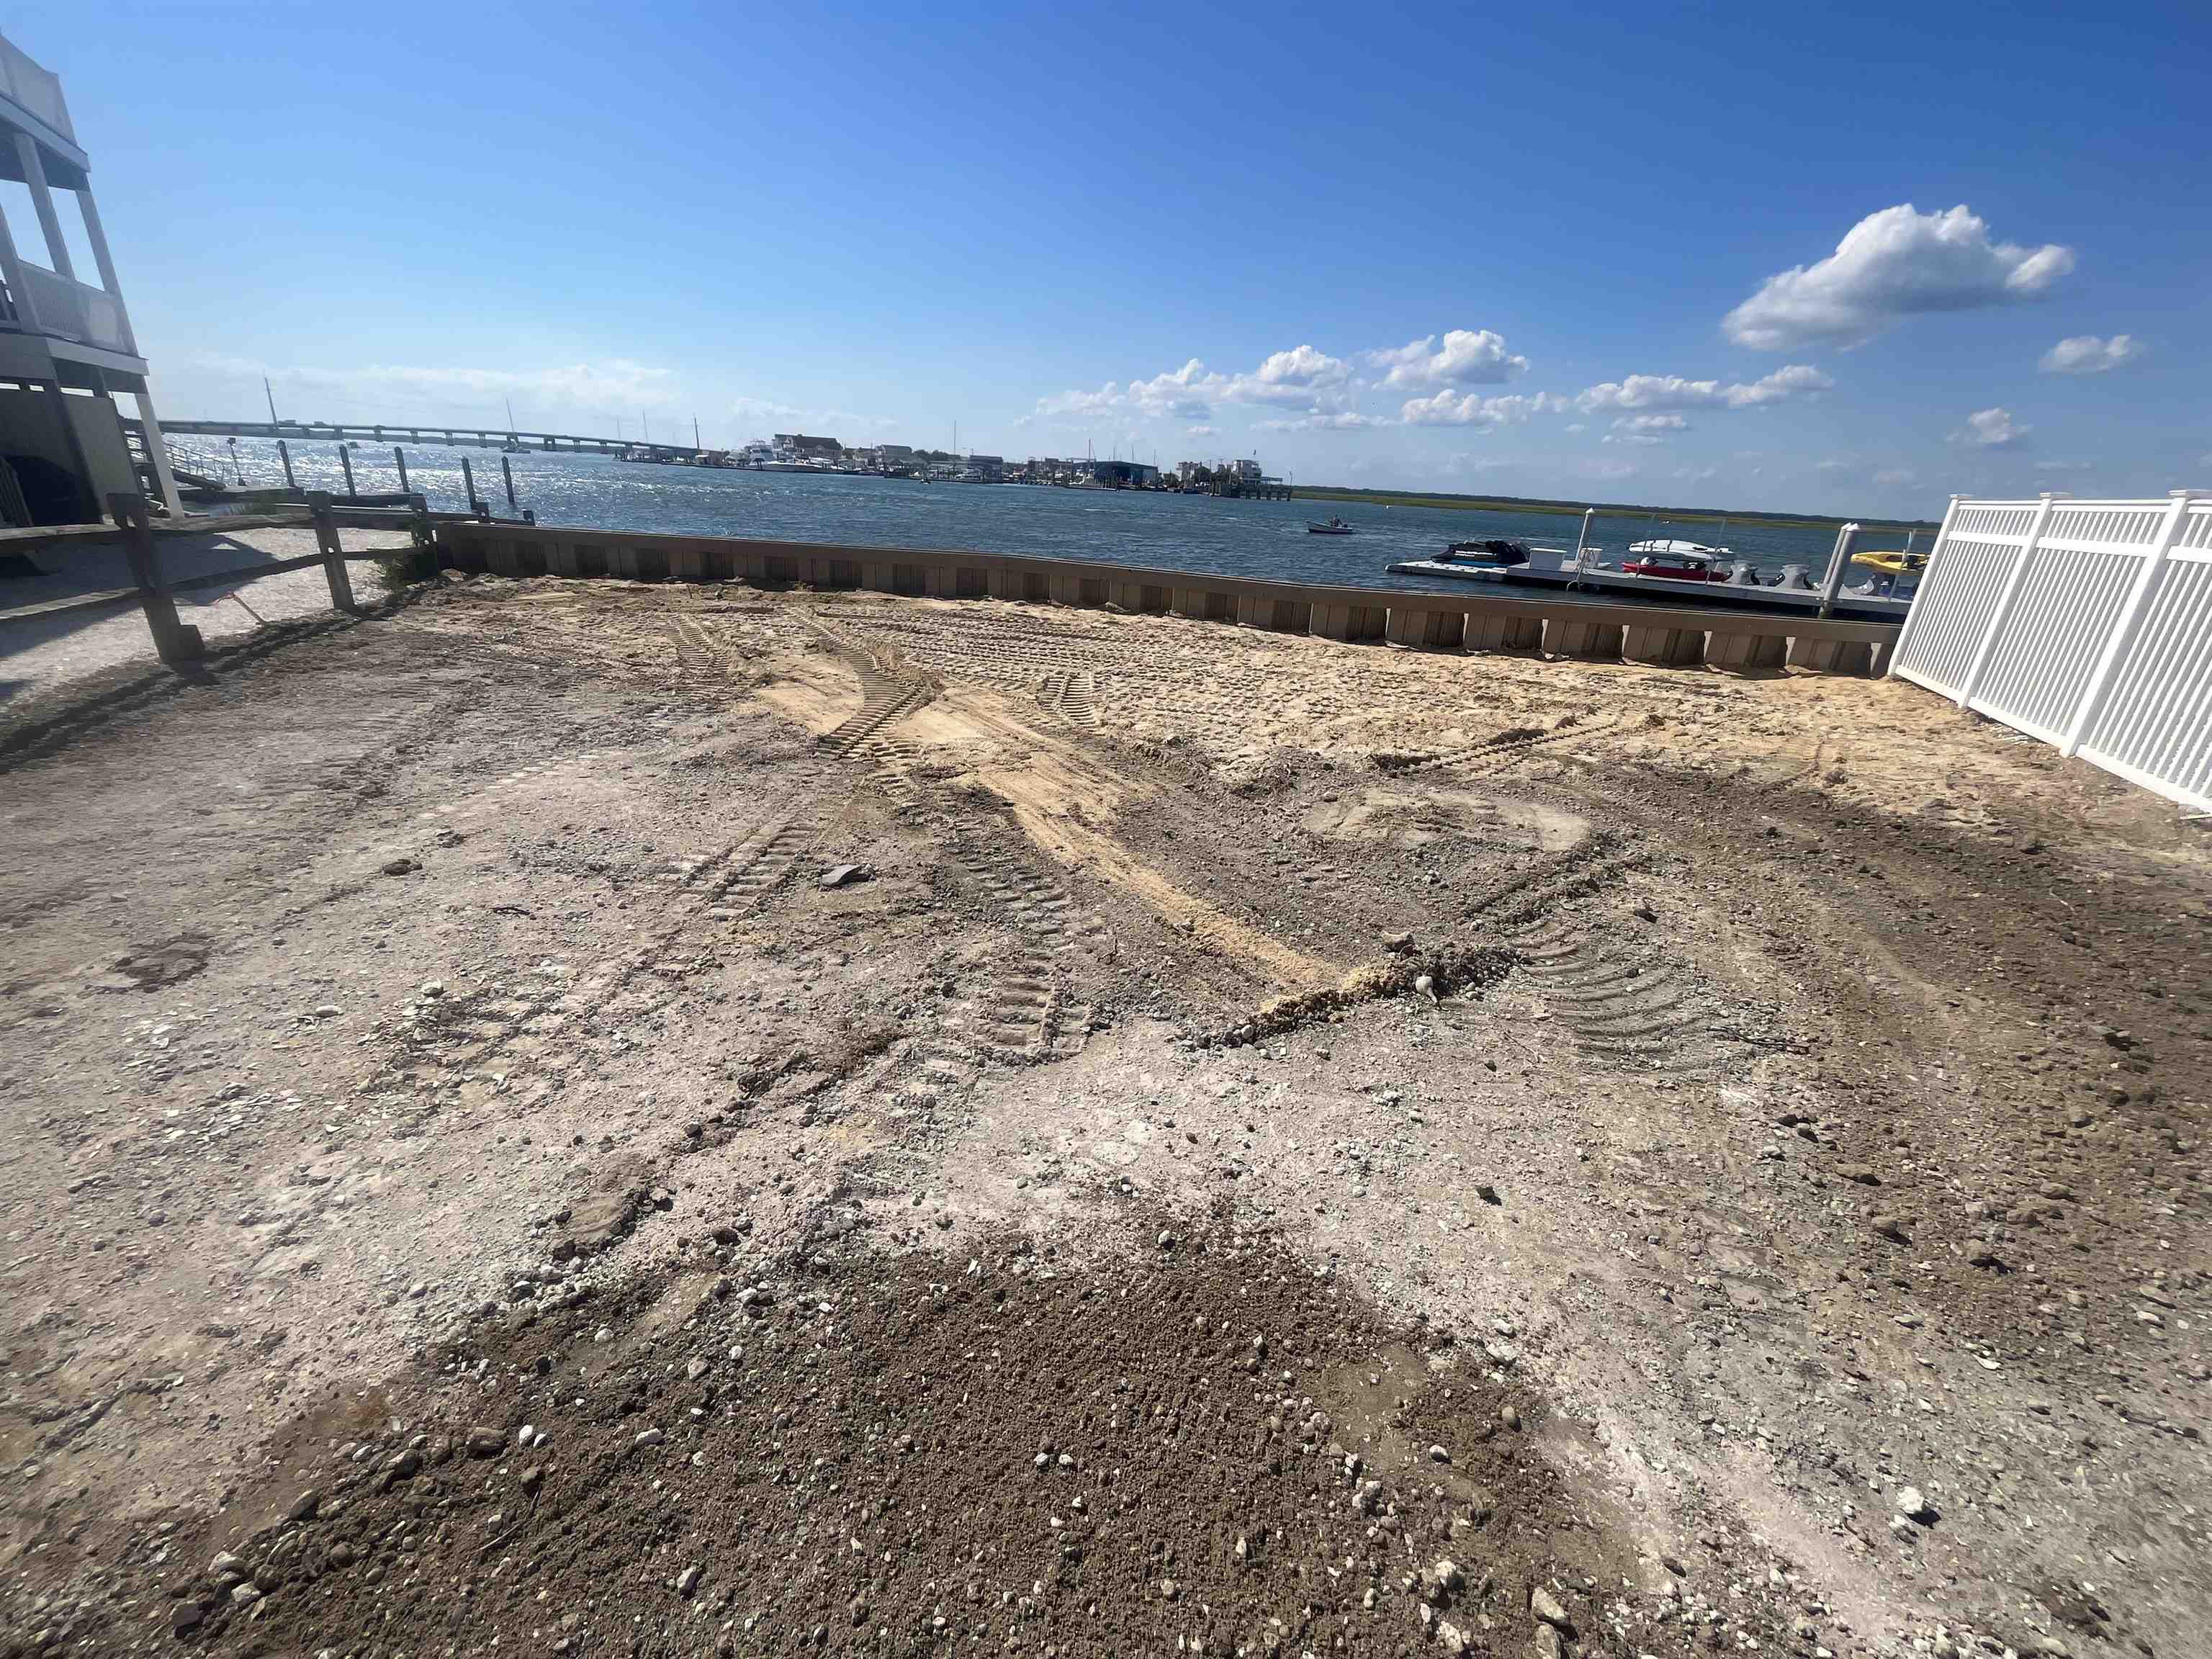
(1495, 552)
(1678, 561)
(1333, 527)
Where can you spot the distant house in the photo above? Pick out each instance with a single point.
(1247, 471)
(987, 469)
(66, 347)
(809, 449)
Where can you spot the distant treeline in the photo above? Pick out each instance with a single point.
(1538, 504)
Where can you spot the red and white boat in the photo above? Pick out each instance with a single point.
(1678, 561)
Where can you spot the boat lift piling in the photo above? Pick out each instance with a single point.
(284, 454)
(345, 461)
(1838, 561)
(399, 460)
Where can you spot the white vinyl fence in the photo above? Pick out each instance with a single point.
(2088, 624)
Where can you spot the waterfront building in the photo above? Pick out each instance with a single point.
(809, 449)
(66, 347)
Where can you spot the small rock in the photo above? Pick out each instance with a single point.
(1891, 1229)
(1446, 1576)
(1398, 944)
(245, 1595)
(398, 866)
(1487, 1192)
(1510, 1415)
(1167, 1589)
(486, 1442)
(434, 988)
(687, 1581)
(846, 875)
(186, 1615)
(226, 1565)
(532, 1477)
(1913, 1505)
(1863, 1175)
(1439, 1454)
(1426, 985)
(1546, 1606)
(648, 1439)
(305, 1505)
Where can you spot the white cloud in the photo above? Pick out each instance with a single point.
(2084, 354)
(1833, 466)
(1897, 475)
(1343, 420)
(1990, 429)
(618, 382)
(1657, 392)
(763, 412)
(2065, 466)
(1301, 377)
(1201, 432)
(1471, 408)
(1649, 423)
(1646, 438)
(1303, 368)
(1894, 263)
(1469, 357)
(1576, 426)
(1695, 474)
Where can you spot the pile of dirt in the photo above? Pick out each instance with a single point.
(1207, 1449)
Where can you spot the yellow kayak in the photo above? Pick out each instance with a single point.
(1892, 563)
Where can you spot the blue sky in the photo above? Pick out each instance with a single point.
(1758, 256)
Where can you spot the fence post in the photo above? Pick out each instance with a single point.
(2000, 613)
(284, 455)
(1927, 577)
(326, 542)
(175, 641)
(1838, 561)
(2129, 623)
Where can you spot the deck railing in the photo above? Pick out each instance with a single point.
(34, 90)
(76, 311)
(2088, 624)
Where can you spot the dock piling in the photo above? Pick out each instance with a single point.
(507, 472)
(345, 461)
(284, 454)
(399, 460)
(1839, 563)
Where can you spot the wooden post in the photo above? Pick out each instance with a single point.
(399, 460)
(326, 542)
(509, 473)
(284, 454)
(176, 642)
(418, 522)
(345, 460)
(469, 489)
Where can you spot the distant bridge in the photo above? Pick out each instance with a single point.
(457, 437)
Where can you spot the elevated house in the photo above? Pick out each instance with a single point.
(66, 347)
(809, 449)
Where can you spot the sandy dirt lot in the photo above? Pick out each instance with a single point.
(1274, 1147)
